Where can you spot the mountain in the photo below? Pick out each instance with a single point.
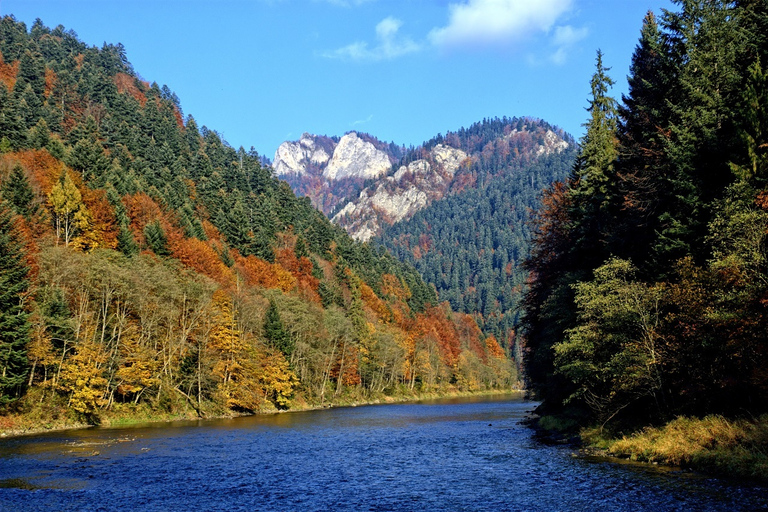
(470, 244)
(398, 196)
(457, 207)
(152, 269)
(328, 169)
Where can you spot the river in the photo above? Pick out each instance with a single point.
(459, 454)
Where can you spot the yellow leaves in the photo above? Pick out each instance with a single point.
(138, 368)
(69, 213)
(277, 380)
(82, 376)
(258, 272)
(248, 374)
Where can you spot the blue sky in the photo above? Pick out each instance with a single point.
(264, 71)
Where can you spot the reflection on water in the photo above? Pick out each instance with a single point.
(465, 454)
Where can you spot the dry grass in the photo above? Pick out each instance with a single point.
(713, 444)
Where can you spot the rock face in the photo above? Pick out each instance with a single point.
(401, 195)
(297, 158)
(328, 169)
(356, 158)
(333, 172)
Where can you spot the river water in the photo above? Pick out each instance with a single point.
(462, 454)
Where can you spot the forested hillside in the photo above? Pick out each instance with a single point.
(471, 243)
(649, 293)
(146, 263)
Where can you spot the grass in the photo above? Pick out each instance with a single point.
(713, 444)
(41, 411)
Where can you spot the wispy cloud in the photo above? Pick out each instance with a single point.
(497, 22)
(389, 44)
(363, 121)
(563, 40)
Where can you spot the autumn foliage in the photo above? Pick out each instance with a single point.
(170, 271)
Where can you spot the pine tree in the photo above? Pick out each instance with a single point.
(156, 239)
(18, 192)
(644, 167)
(593, 192)
(14, 327)
(275, 333)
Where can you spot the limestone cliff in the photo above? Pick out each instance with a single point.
(396, 197)
(328, 169)
(353, 180)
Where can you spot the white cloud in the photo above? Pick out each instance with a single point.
(564, 38)
(389, 44)
(567, 35)
(497, 22)
(363, 121)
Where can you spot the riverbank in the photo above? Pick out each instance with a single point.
(43, 417)
(714, 445)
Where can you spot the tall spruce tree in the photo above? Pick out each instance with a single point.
(593, 192)
(14, 327)
(643, 166)
(275, 333)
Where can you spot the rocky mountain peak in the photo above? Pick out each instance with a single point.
(332, 172)
(355, 158)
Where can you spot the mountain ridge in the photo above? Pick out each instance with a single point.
(347, 178)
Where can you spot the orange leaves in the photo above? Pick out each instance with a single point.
(42, 169)
(201, 257)
(493, 348)
(50, 81)
(143, 210)
(258, 272)
(374, 303)
(103, 221)
(8, 73)
(762, 200)
(435, 322)
(126, 84)
(391, 286)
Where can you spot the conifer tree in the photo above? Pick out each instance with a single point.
(14, 327)
(18, 192)
(275, 333)
(156, 239)
(593, 192)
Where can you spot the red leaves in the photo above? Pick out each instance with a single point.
(8, 73)
(126, 84)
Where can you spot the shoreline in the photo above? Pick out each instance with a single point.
(712, 446)
(117, 420)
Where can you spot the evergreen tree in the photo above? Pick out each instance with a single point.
(14, 327)
(18, 192)
(156, 239)
(593, 194)
(275, 333)
(643, 166)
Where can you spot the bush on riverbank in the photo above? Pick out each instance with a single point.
(713, 444)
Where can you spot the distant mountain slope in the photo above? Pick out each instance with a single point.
(456, 207)
(470, 244)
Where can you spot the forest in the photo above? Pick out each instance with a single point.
(146, 265)
(471, 244)
(648, 298)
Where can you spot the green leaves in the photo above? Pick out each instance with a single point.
(614, 352)
(14, 327)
